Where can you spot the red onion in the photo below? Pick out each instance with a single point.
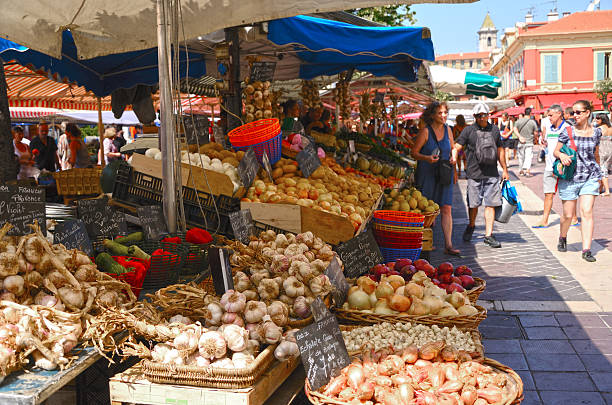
(450, 387)
(490, 394)
(366, 391)
(355, 375)
(468, 395)
(405, 392)
(410, 354)
(383, 381)
(425, 398)
(336, 385)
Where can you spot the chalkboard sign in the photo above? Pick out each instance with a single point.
(338, 281)
(196, 129)
(379, 97)
(323, 351)
(359, 254)
(20, 206)
(73, 235)
(242, 225)
(220, 269)
(121, 221)
(153, 221)
(98, 217)
(248, 168)
(319, 309)
(267, 166)
(262, 71)
(308, 160)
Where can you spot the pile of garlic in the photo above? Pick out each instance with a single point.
(401, 335)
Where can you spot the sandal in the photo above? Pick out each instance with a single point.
(452, 252)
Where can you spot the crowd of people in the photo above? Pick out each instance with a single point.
(44, 152)
(483, 148)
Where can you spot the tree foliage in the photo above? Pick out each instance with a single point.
(603, 89)
(442, 96)
(393, 16)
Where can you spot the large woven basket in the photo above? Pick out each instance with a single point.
(430, 219)
(475, 292)
(516, 387)
(209, 376)
(477, 355)
(352, 316)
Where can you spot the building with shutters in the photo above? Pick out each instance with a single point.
(555, 61)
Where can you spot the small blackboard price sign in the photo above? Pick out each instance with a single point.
(98, 217)
(359, 254)
(242, 225)
(73, 235)
(267, 166)
(308, 160)
(196, 129)
(20, 206)
(319, 309)
(220, 269)
(323, 351)
(337, 279)
(248, 168)
(153, 221)
(262, 71)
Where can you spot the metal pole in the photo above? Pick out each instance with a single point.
(167, 128)
(337, 117)
(100, 132)
(234, 98)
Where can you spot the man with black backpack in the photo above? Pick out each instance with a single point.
(483, 149)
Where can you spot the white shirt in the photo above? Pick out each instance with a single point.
(552, 137)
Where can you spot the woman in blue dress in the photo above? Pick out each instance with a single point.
(435, 141)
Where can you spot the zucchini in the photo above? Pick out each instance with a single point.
(135, 251)
(105, 262)
(130, 239)
(115, 248)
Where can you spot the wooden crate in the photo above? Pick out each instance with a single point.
(78, 181)
(332, 228)
(427, 239)
(131, 387)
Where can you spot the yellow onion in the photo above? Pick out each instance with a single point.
(399, 303)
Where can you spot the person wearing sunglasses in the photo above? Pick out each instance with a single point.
(586, 182)
(605, 150)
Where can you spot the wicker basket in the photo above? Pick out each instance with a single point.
(352, 316)
(475, 292)
(430, 219)
(209, 376)
(315, 397)
(477, 355)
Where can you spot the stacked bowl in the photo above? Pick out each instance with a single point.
(398, 234)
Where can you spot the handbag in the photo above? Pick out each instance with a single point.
(559, 169)
(444, 170)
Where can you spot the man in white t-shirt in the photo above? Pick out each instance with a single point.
(556, 127)
(544, 124)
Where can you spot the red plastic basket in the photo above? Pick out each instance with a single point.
(398, 218)
(272, 147)
(254, 132)
(399, 240)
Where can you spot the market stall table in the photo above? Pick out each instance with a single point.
(36, 386)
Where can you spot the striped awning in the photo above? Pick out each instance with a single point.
(30, 88)
(18, 113)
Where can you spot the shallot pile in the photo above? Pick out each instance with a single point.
(431, 375)
(48, 292)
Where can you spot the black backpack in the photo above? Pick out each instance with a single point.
(485, 148)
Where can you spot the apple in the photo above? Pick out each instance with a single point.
(420, 264)
(454, 287)
(445, 267)
(407, 272)
(401, 263)
(467, 282)
(391, 265)
(456, 279)
(443, 286)
(379, 270)
(429, 270)
(374, 277)
(445, 278)
(393, 273)
(463, 270)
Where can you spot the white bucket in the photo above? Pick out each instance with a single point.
(504, 212)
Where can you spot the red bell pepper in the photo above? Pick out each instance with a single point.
(198, 236)
(175, 240)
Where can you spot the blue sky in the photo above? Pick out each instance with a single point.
(454, 26)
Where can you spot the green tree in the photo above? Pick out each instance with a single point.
(442, 96)
(603, 89)
(394, 15)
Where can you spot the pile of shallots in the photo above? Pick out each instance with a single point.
(430, 375)
(47, 293)
(283, 268)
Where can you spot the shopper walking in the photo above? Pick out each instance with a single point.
(77, 152)
(457, 129)
(432, 150)
(22, 151)
(63, 145)
(605, 150)
(544, 124)
(44, 149)
(506, 129)
(483, 149)
(525, 129)
(587, 177)
(110, 151)
(557, 126)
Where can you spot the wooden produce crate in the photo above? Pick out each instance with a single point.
(427, 239)
(78, 182)
(131, 387)
(190, 175)
(332, 228)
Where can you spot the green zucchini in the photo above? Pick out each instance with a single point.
(130, 239)
(105, 262)
(135, 251)
(115, 248)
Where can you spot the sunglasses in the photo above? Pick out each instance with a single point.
(578, 112)
(482, 115)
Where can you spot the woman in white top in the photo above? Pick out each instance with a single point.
(110, 150)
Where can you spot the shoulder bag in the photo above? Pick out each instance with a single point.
(559, 169)
(444, 170)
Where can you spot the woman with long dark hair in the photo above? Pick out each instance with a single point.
(605, 150)
(433, 143)
(460, 125)
(586, 182)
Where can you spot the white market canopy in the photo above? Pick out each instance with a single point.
(461, 82)
(103, 27)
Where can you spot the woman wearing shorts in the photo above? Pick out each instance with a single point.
(605, 150)
(587, 178)
(505, 128)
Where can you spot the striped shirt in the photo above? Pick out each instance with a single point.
(586, 167)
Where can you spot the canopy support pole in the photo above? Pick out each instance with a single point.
(100, 132)
(167, 129)
(8, 165)
(234, 98)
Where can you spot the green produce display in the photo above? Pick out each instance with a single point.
(409, 200)
(108, 264)
(130, 239)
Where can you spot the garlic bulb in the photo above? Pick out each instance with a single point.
(320, 285)
(254, 311)
(214, 314)
(301, 308)
(236, 337)
(188, 340)
(256, 331)
(212, 345)
(258, 276)
(280, 263)
(241, 281)
(232, 318)
(233, 301)
(293, 287)
(286, 350)
(180, 319)
(286, 299)
(268, 289)
(242, 359)
(278, 313)
(272, 332)
(251, 295)
(223, 363)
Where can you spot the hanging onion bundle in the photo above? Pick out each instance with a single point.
(310, 94)
(258, 101)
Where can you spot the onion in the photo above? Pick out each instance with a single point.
(405, 392)
(469, 395)
(395, 280)
(399, 303)
(384, 289)
(413, 289)
(359, 299)
(410, 354)
(366, 284)
(355, 375)
(490, 394)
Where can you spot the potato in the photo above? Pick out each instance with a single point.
(289, 169)
(192, 148)
(240, 154)
(276, 173)
(226, 154)
(231, 160)
(317, 174)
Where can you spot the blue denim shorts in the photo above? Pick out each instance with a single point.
(571, 190)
